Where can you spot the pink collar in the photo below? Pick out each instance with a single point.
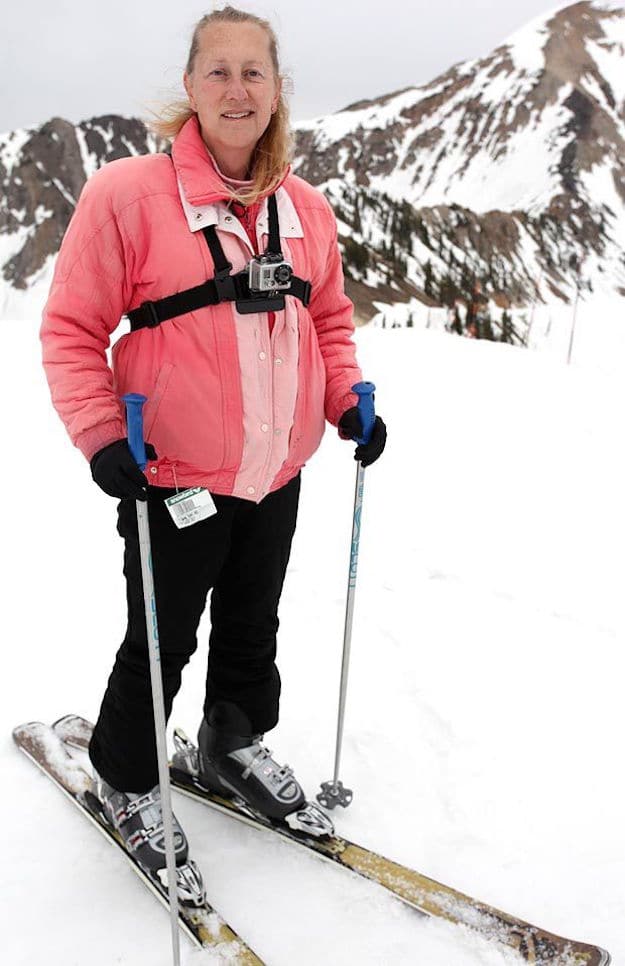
(196, 169)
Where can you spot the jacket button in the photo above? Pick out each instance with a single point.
(277, 432)
(199, 215)
(250, 490)
(262, 356)
(264, 427)
(153, 469)
(278, 362)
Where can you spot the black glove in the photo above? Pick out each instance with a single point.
(116, 472)
(350, 427)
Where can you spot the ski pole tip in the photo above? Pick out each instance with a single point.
(333, 794)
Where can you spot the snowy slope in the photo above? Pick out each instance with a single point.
(485, 716)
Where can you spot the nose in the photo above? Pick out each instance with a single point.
(236, 89)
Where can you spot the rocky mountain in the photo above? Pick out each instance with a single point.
(500, 183)
(42, 172)
(507, 171)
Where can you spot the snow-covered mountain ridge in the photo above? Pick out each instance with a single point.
(513, 164)
(468, 136)
(505, 175)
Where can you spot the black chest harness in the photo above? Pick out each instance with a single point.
(259, 287)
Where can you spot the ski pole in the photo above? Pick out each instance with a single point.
(134, 419)
(333, 792)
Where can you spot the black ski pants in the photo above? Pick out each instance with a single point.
(241, 553)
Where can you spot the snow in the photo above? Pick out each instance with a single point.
(599, 182)
(11, 144)
(23, 305)
(609, 51)
(12, 242)
(483, 735)
(522, 177)
(525, 47)
(507, 175)
(334, 127)
(89, 158)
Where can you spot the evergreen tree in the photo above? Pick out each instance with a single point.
(356, 256)
(471, 316)
(506, 328)
(428, 283)
(465, 279)
(486, 327)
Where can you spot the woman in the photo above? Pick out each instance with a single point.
(239, 383)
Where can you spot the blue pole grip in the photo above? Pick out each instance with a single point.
(134, 420)
(366, 410)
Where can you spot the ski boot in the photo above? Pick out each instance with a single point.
(138, 819)
(232, 761)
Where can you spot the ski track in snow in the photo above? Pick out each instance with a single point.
(484, 724)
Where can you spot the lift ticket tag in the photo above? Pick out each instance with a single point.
(190, 506)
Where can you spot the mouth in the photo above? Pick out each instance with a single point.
(237, 115)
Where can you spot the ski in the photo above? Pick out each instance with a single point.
(201, 923)
(537, 946)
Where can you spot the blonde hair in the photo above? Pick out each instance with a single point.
(273, 151)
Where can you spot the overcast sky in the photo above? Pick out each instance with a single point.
(79, 58)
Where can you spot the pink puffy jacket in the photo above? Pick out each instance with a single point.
(230, 406)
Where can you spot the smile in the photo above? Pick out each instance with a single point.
(239, 116)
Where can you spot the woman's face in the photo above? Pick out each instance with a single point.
(233, 74)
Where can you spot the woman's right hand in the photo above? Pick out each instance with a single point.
(115, 470)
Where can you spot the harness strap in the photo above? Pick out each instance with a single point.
(274, 228)
(219, 257)
(224, 287)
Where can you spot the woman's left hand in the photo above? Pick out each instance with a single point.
(350, 427)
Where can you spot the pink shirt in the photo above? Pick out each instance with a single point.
(268, 380)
